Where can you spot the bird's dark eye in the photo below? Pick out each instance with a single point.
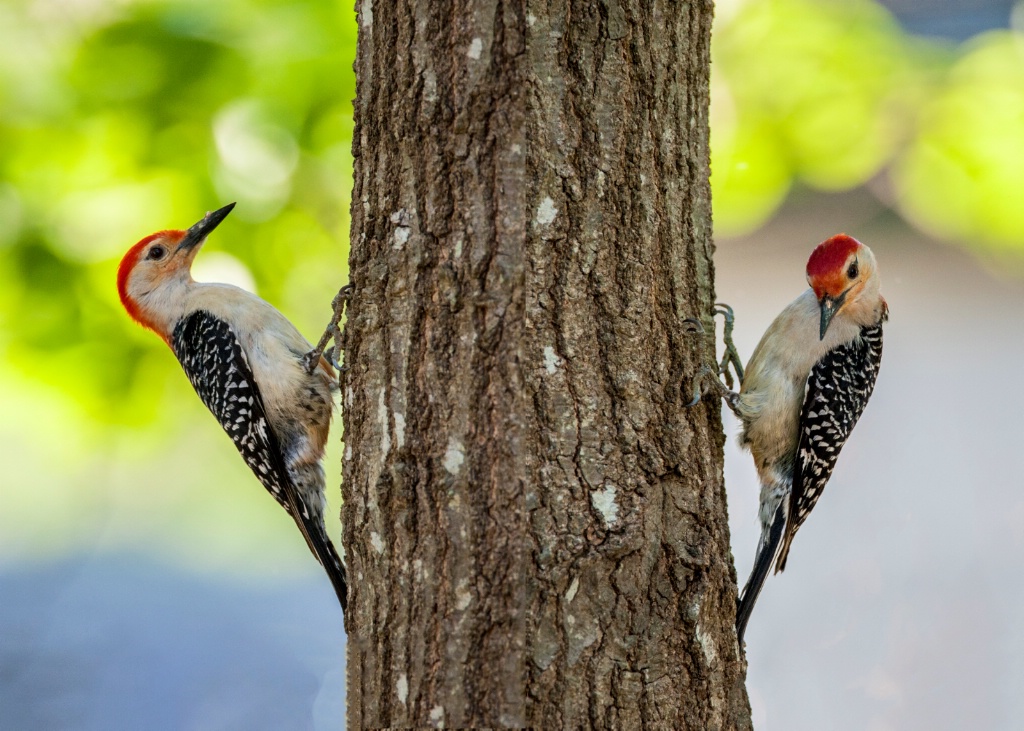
(853, 271)
(156, 253)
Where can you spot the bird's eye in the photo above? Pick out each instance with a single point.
(853, 271)
(156, 253)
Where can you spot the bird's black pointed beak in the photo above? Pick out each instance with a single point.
(198, 233)
(829, 307)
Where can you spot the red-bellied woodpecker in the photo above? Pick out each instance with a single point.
(805, 386)
(245, 360)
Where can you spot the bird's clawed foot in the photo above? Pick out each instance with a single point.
(731, 356)
(333, 332)
(706, 380)
(693, 326)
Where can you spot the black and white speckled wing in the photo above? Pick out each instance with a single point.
(837, 391)
(217, 367)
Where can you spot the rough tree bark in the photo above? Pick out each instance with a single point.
(535, 527)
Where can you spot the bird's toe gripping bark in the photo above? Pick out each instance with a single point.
(333, 332)
(698, 385)
(707, 382)
(693, 326)
(731, 356)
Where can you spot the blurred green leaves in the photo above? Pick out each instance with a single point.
(118, 119)
(963, 174)
(823, 93)
(834, 95)
(122, 117)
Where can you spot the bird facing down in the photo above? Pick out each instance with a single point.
(803, 391)
(244, 359)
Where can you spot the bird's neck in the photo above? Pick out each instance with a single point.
(160, 308)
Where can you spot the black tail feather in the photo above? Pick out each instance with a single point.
(762, 565)
(336, 573)
(321, 546)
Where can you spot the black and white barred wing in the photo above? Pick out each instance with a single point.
(837, 391)
(217, 367)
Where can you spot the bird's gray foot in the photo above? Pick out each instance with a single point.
(707, 381)
(333, 332)
(731, 356)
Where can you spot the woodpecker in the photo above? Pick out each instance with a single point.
(803, 391)
(245, 361)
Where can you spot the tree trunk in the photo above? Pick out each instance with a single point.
(535, 527)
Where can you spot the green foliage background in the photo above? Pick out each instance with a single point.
(119, 118)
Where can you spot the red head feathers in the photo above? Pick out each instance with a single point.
(825, 268)
(831, 255)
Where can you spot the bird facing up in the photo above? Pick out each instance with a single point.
(244, 359)
(803, 391)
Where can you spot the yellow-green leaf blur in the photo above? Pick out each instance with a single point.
(121, 118)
